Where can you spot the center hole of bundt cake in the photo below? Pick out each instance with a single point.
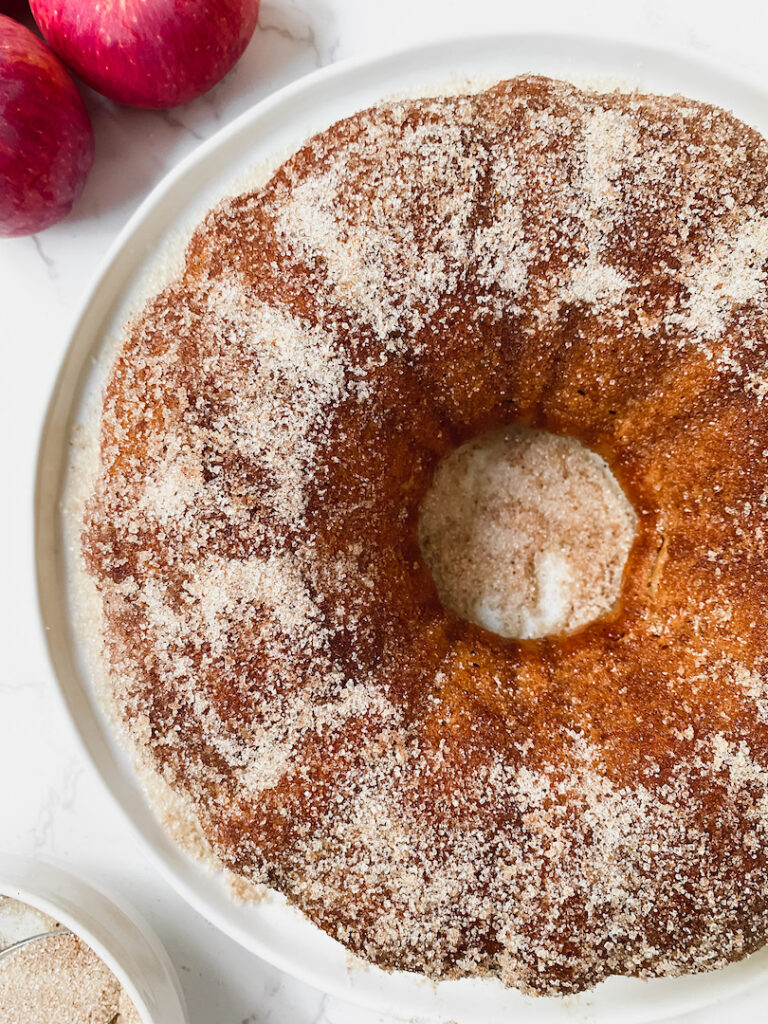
(526, 533)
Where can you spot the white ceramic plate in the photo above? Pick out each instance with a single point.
(123, 940)
(270, 929)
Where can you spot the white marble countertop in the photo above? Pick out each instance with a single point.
(51, 801)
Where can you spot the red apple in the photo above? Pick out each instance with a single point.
(148, 53)
(46, 139)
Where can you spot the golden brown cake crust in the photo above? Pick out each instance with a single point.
(437, 798)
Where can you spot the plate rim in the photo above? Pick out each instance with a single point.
(47, 535)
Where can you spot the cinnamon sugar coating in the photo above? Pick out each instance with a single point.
(437, 798)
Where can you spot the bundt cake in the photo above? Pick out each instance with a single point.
(437, 797)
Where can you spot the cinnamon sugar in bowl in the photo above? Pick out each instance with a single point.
(70, 954)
